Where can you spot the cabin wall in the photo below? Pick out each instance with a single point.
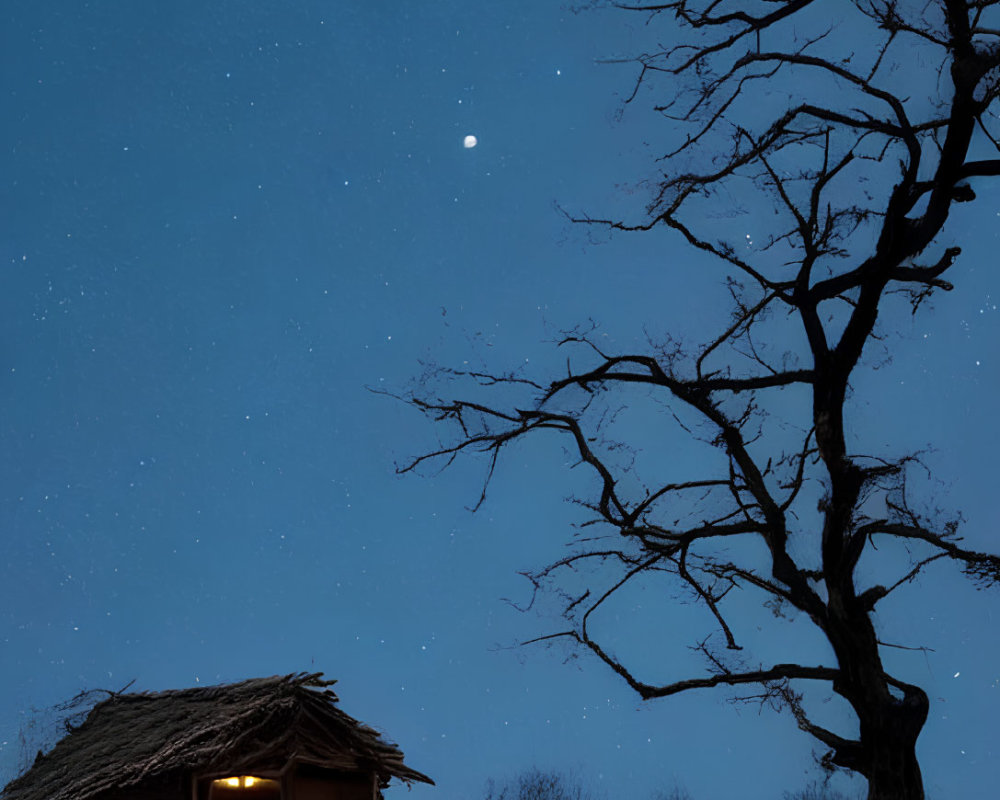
(306, 787)
(300, 782)
(168, 789)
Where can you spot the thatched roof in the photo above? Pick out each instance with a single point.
(241, 728)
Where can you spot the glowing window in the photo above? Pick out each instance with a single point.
(247, 787)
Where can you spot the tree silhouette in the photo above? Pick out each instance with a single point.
(858, 169)
(537, 784)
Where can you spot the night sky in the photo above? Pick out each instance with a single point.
(225, 222)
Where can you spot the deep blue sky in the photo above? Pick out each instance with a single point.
(221, 222)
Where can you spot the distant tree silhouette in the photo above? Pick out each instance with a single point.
(676, 793)
(816, 791)
(537, 784)
(857, 158)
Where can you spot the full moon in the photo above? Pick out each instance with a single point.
(469, 142)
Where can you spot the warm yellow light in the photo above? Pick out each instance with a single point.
(245, 781)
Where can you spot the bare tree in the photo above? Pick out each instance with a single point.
(815, 791)
(537, 784)
(858, 169)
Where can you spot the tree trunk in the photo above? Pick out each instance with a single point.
(889, 740)
(895, 773)
(889, 724)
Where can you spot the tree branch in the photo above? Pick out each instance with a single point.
(984, 567)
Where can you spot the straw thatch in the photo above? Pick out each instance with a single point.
(161, 739)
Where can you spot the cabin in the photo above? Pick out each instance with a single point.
(278, 738)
